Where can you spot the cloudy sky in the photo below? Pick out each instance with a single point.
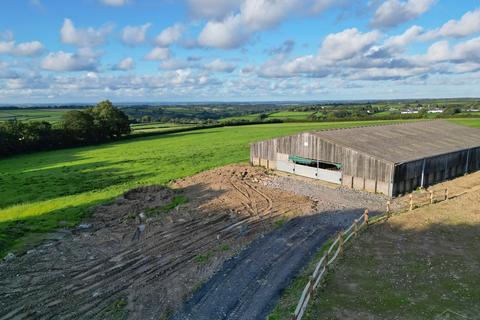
(237, 50)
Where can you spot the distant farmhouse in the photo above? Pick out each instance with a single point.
(390, 159)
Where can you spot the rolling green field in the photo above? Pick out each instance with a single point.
(281, 115)
(248, 117)
(290, 115)
(42, 191)
(50, 115)
(157, 127)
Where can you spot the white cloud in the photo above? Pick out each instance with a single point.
(259, 15)
(234, 27)
(227, 34)
(467, 25)
(125, 64)
(400, 41)
(346, 44)
(65, 61)
(394, 12)
(135, 35)
(88, 37)
(115, 3)
(466, 53)
(219, 65)
(170, 35)
(174, 64)
(212, 9)
(25, 49)
(158, 53)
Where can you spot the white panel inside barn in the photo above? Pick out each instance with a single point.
(390, 159)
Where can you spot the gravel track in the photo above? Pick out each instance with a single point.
(248, 285)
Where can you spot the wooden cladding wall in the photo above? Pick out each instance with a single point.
(313, 147)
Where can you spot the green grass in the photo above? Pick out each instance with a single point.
(282, 115)
(176, 201)
(50, 115)
(42, 191)
(415, 267)
(470, 122)
(157, 127)
(290, 115)
(248, 117)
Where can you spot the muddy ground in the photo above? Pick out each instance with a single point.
(138, 258)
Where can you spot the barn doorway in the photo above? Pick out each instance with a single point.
(312, 168)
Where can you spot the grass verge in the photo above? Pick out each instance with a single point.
(421, 264)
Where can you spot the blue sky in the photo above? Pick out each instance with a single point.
(237, 50)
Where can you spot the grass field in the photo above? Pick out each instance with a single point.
(157, 127)
(50, 115)
(281, 115)
(421, 264)
(248, 117)
(290, 115)
(42, 191)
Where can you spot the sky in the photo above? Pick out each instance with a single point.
(56, 51)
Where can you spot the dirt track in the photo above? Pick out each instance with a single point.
(138, 261)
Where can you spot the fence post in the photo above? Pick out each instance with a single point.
(355, 227)
(431, 196)
(446, 193)
(311, 281)
(388, 208)
(366, 217)
(340, 242)
(411, 202)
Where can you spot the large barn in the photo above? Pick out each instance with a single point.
(390, 159)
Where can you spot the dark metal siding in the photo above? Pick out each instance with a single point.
(408, 176)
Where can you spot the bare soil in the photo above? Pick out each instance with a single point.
(136, 260)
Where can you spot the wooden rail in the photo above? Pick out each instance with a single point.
(337, 247)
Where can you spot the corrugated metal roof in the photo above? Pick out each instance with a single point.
(405, 141)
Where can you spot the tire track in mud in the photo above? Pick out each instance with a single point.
(82, 274)
(137, 266)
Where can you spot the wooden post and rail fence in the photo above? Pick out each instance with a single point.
(338, 245)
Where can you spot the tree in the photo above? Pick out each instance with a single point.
(262, 116)
(451, 110)
(146, 119)
(79, 125)
(109, 121)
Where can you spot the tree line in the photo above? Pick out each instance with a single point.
(100, 123)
